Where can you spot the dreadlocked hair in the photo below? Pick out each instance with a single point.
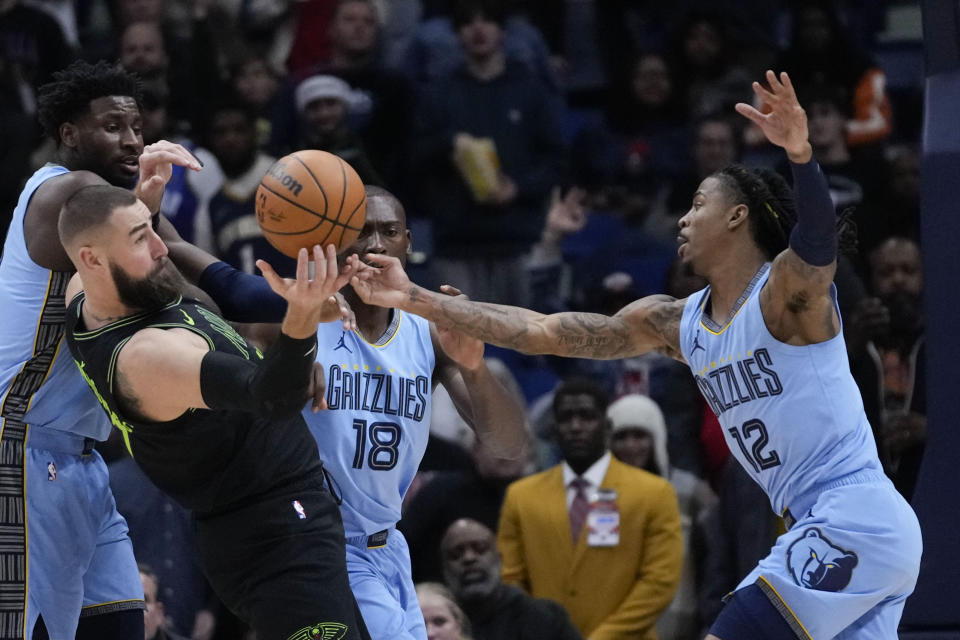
(847, 243)
(770, 201)
(69, 95)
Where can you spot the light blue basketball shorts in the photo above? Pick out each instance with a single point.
(381, 580)
(79, 558)
(848, 563)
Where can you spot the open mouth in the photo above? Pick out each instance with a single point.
(130, 164)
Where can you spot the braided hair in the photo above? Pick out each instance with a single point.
(767, 193)
(769, 199)
(69, 95)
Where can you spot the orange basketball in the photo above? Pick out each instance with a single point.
(310, 197)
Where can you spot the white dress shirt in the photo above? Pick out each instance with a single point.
(594, 477)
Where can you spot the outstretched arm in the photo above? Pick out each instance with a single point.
(796, 302)
(649, 324)
(481, 400)
(163, 373)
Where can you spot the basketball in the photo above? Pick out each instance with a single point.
(310, 197)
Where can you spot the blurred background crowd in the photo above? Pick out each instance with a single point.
(603, 116)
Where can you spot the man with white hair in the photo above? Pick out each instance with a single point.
(323, 107)
(639, 438)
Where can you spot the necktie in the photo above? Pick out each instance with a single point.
(579, 507)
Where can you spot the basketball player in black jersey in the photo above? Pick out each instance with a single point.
(212, 421)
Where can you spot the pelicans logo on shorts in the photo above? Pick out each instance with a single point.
(321, 631)
(816, 563)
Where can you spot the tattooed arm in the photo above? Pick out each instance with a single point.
(649, 324)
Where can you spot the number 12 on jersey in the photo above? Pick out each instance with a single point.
(756, 456)
(384, 438)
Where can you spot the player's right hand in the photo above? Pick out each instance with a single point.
(306, 297)
(379, 279)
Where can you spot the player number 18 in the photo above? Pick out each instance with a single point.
(384, 438)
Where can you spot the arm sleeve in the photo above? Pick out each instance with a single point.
(814, 238)
(277, 386)
(241, 297)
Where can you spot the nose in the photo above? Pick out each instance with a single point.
(375, 243)
(129, 137)
(158, 248)
(683, 222)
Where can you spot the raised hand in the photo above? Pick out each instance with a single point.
(466, 351)
(380, 280)
(786, 124)
(306, 298)
(156, 168)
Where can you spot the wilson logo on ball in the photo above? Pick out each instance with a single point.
(279, 171)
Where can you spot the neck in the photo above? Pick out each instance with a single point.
(372, 321)
(730, 278)
(580, 467)
(99, 310)
(487, 67)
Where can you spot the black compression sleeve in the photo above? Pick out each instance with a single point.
(277, 386)
(814, 238)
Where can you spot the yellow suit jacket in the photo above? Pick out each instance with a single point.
(609, 592)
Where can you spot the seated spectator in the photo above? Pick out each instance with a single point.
(471, 569)
(232, 231)
(640, 439)
(475, 493)
(383, 111)
(259, 86)
(854, 176)
(711, 80)
(887, 357)
(822, 52)
(444, 619)
(154, 618)
(323, 105)
(614, 574)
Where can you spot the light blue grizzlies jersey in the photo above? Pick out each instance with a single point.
(791, 415)
(39, 382)
(375, 430)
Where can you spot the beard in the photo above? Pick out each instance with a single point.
(160, 287)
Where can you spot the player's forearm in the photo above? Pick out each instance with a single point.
(498, 418)
(576, 335)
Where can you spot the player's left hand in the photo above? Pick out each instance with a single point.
(464, 350)
(786, 124)
(156, 168)
(317, 389)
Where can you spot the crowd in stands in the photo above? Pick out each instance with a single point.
(604, 116)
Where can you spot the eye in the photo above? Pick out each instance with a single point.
(813, 554)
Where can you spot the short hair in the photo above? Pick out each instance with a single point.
(370, 3)
(69, 94)
(466, 10)
(90, 207)
(578, 387)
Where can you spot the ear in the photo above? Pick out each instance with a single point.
(737, 216)
(69, 135)
(90, 259)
